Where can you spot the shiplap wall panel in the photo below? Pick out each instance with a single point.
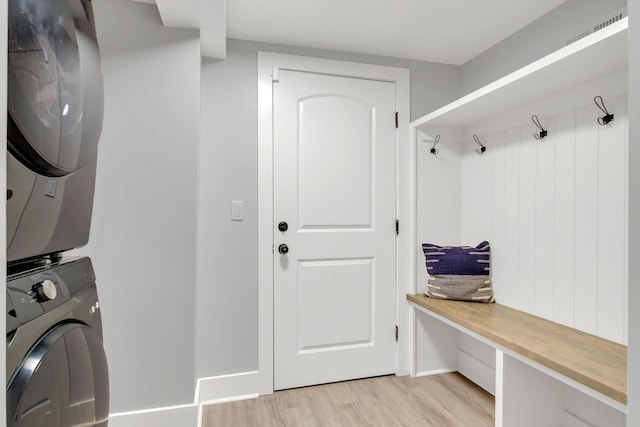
(527, 242)
(555, 213)
(564, 213)
(472, 196)
(544, 224)
(611, 227)
(586, 222)
(510, 294)
(496, 157)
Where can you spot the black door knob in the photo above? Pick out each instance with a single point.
(283, 249)
(283, 226)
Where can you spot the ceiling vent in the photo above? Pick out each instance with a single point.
(600, 24)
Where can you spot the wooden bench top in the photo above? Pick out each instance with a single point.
(587, 359)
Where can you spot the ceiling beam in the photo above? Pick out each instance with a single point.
(208, 16)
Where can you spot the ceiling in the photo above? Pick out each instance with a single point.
(447, 31)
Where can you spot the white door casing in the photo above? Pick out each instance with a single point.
(334, 185)
(270, 65)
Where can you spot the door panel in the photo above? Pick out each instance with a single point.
(344, 305)
(334, 184)
(325, 159)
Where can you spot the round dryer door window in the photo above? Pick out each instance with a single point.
(55, 93)
(63, 381)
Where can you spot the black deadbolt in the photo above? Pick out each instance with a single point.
(283, 226)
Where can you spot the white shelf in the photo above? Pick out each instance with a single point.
(597, 55)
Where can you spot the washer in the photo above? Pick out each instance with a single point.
(56, 366)
(55, 110)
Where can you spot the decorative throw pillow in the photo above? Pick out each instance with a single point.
(459, 272)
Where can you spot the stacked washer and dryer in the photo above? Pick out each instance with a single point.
(56, 366)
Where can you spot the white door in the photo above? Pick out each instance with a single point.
(334, 186)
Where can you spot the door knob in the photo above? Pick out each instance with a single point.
(283, 249)
(283, 226)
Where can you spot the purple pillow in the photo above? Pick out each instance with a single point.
(459, 272)
(458, 260)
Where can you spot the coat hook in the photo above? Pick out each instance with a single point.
(608, 117)
(434, 150)
(482, 148)
(543, 132)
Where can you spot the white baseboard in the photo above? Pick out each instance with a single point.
(435, 372)
(184, 415)
(224, 388)
(227, 388)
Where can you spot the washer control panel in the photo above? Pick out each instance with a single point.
(32, 293)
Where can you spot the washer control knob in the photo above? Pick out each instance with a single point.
(45, 291)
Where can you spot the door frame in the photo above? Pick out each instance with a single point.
(269, 65)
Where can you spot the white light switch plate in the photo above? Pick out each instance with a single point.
(237, 210)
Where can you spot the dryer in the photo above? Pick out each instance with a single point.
(55, 109)
(56, 366)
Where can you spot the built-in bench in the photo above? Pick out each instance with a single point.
(591, 364)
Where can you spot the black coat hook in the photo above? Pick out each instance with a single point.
(482, 148)
(434, 150)
(542, 132)
(608, 117)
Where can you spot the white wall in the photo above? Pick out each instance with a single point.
(543, 36)
(633, 382)
(143, 237)
(227, 253)
(555, 213)
(3, 204)
(437, 194)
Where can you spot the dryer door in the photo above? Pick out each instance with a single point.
(55, 93)
(63, 381)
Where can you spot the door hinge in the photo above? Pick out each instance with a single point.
(397, 227)
(275, 74)
(396, 333)
(396, 120)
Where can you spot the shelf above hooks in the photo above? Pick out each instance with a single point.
(593, 57)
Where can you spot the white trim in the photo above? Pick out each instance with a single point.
(405, 195)
(171, 416)
(151, 410)
(434, 372)
(209, 391)
(499, 396)
(227, 388)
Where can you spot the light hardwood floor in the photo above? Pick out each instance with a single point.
(440, 400)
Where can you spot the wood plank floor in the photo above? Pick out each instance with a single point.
(440, 400)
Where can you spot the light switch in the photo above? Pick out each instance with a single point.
(237, 210)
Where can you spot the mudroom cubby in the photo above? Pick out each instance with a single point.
(554, 207)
